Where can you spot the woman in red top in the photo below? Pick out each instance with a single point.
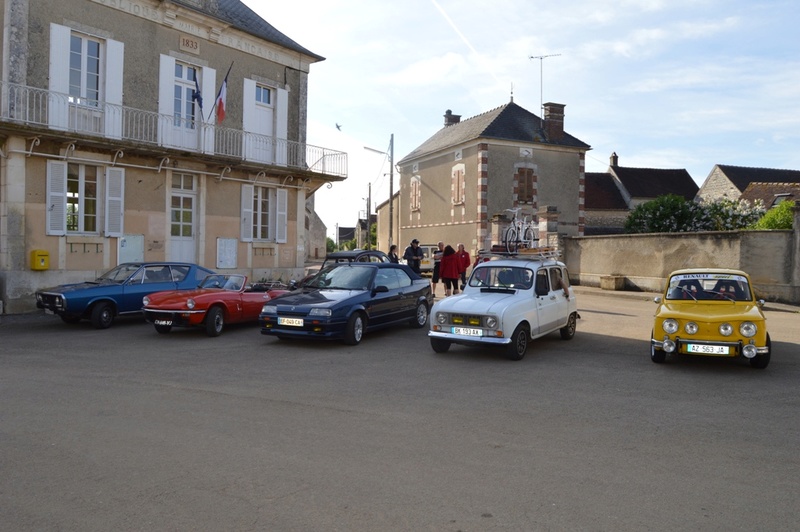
(449, 270)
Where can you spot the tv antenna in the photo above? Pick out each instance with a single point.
(541, 59)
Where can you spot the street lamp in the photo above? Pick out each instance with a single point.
(391, 184)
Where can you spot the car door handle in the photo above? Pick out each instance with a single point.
(552, 297)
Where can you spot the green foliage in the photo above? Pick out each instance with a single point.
(330, 245)
(779, 217)
(674, 214)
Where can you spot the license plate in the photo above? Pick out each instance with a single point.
(708, 349)
(163, 322)
(466, 331)
(292, 322)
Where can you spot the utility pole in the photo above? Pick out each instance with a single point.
(369, 202)
(391, 190)
(541, 59)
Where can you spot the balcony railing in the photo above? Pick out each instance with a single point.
(61, 112)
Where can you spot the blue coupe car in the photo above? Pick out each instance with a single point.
(347, 299)
(118, 291)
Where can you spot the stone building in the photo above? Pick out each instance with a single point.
(726, 181)
(149, 130)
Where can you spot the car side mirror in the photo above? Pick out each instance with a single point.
(380, 288)
(657, 299)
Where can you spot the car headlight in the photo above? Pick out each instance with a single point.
(670, 326)
(322, 312)
(190, 303)
(725, 329)
(269, 309)
(491, 322)
(441, 318)
(748, 329)
(690, 328)
(145, 301)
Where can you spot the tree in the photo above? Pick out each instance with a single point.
(779, 217)
(674, 214)
(330, 245)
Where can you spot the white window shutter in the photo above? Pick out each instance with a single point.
(57, 108)
(208, 82)
(56, 218)
(115, 55)
(281, 126)
(115, 201)
(248, 118)
(247, 213)
(166, 85)
(281, 218)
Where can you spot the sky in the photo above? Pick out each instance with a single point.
(663, 83)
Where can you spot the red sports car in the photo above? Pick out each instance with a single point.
(219, 299)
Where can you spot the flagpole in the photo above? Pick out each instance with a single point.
(219, 91)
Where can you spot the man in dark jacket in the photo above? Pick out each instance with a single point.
(413, 255)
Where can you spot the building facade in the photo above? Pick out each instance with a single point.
(149, 130)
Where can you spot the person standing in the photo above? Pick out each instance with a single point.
(449, 270)
(437, 259)
(464, 261)
(413, 256)
(393, 258)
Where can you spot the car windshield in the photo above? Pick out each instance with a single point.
(120, 273)
(708, 286)
(343, 277)
(226, 282)
(501, 277)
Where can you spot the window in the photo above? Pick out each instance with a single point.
(526, 189)
(84, 70)
(263, 95)
(415, 193)
(183, 101)
(83, 199)
(264, 215)
(182, 205)
(458, 185)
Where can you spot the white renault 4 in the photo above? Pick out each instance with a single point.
(508, 301)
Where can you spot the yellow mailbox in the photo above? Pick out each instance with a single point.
(40, 259)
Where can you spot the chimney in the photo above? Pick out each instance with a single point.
(450, 118)
(613, 160)
(554, 120)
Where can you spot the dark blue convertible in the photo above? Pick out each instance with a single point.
(344, 300)
(118, 291)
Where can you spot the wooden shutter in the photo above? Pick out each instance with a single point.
(281, 126)
(281, 215)
(166, 81)
(115, 201)
(58, 108)
(56, 211)
(247, 213)
(115, 55)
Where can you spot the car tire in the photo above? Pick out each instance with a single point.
(439, 345)
(657, 355)
(354, 330)
(762, 361)
(102, 315)
(163, 329)
(70, 318)
(568, 331)
(519, 343)
(215, 321)
(420, 316)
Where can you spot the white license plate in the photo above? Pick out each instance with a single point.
(292, 322)
(708, 349)
(466, 331)
(163, 322)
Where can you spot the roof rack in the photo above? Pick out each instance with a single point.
(542, 253)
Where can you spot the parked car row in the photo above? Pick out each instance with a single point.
(507, 302)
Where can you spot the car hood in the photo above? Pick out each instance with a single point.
(75, 287)
(315, 298)
(173, 297)
(715, 311)
(476, 303)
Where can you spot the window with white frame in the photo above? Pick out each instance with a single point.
(264, 214)
(183, 92)
(415, 193)
(84, 199)
(84, 70)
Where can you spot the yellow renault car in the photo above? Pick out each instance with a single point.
(710, 312)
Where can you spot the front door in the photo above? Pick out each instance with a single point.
(260, 145)
(186, 113)
(183, 201)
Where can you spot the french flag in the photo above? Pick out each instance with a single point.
(221, 98)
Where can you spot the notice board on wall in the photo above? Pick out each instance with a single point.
(226, 253)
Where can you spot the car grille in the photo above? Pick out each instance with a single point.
(466, 320)
(52, 301)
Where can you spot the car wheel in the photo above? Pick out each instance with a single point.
(519, 343)
(762, 361)
(354, 330)
(420, 317)
(102, 315)
(439, 345)
(215, 321)
(163, 329)
(568, 331)
(657, 355)
(70, 318)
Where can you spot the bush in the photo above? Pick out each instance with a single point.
(674, 214)
(779, 217)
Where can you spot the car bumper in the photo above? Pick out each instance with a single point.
(182, 318)
(469, 340)
(681, 346)
(309, 329)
